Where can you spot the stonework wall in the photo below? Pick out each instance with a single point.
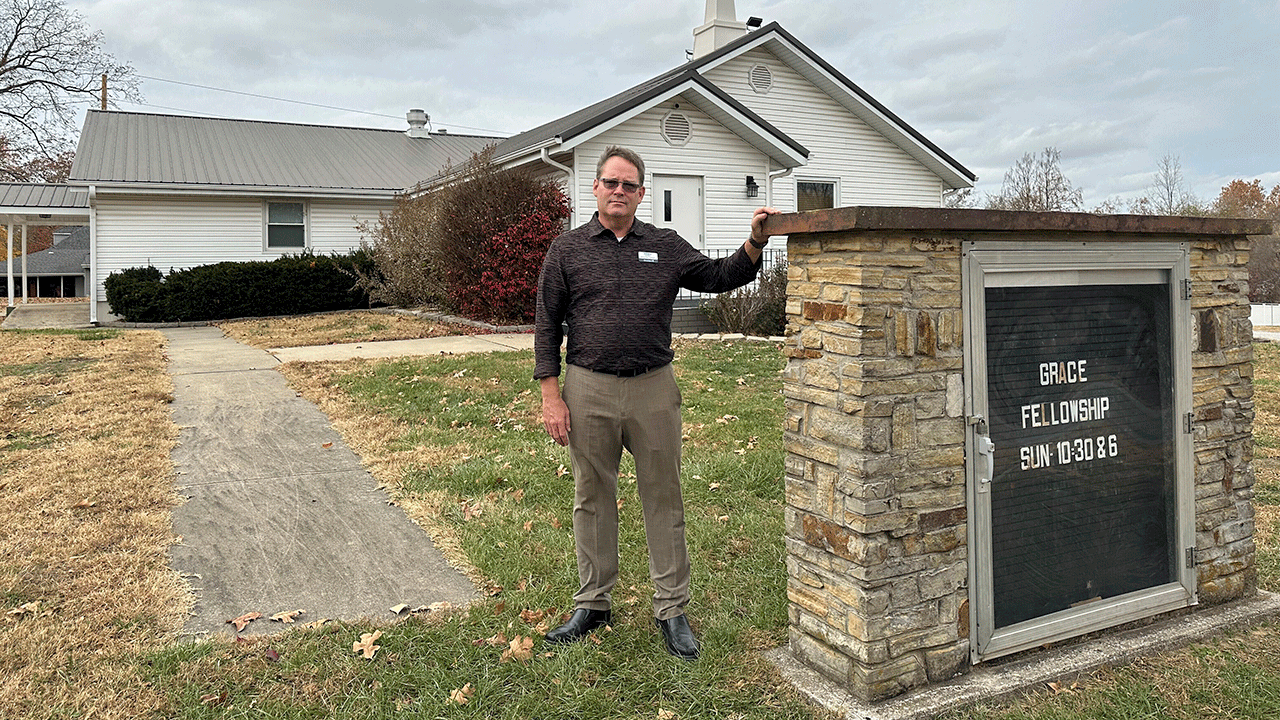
(874, 434)
(876, 519)
(1222, 387)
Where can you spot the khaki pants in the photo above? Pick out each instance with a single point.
(642, 414)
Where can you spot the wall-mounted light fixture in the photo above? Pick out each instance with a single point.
(754, 22)
(753, 190)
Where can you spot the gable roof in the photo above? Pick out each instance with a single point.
(142, 151)
(791, 51)
(575, 128)
(65, 258)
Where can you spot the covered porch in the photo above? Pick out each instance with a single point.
(27, 205)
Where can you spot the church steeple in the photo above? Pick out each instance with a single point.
(720, 27)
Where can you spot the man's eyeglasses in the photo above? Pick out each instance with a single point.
(612, 184)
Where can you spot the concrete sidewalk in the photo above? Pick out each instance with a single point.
(280, 515)
(450, 345)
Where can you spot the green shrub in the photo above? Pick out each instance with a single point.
(760, 309)
(289, 285)
(136, 294)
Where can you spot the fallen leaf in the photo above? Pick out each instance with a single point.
(462, 695)
(723, 518)
(520, 648)
(366, 645)
(272, 655)
(439, 606)
(287, 617)
(242, 621)
(620, 503)
(666, 714)
(562, 471)
(85, 503)
(399, 608)
(713, 486)
(555, 523)
(532, 616)
(316, 623)
(327, 445)
(528, 526)
(496, 641)
(214, 698)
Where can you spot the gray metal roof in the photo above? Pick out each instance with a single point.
(121, 149)
(567, 127)
(39, 195)
(65, 258)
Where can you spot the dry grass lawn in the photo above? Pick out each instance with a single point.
(86, 488)
(346, 327)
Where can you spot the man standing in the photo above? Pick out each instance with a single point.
(614, 281)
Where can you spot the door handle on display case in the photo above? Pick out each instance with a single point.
(986, 462)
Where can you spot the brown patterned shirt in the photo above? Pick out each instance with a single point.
(616, 295)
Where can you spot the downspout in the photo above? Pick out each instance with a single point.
(573, 178)
(93, 255)
(774, 176)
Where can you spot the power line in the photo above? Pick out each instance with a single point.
(301, 102)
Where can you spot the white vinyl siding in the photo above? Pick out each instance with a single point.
(173, 233)
(871, 169)
(714, 153)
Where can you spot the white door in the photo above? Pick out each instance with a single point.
(677, 204)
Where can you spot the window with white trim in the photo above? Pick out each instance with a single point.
(815, 195)
(286, 225)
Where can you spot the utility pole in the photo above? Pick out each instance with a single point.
(104, 91)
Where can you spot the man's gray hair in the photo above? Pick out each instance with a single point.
(627, 154)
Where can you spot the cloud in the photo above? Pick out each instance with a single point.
(1113, 85)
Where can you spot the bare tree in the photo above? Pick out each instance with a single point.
(1037, 183)
(1168, 192)
(959, 198)
(50, 61)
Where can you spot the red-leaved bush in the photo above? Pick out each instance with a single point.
(509, 261)
(474, 244)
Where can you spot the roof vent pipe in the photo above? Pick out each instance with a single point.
(418, 120)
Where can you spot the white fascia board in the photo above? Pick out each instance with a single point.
(37, 210)
(825, 81)
(713, 107)
(244, 191)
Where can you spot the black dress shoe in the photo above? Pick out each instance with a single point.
(679, 637)
(580, 624)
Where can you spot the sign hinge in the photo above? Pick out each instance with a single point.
(1191, 558)
(1189, 417)
(1186, 288)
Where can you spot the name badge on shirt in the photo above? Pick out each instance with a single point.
(648, 256)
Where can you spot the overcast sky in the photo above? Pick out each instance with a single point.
(1114, 85)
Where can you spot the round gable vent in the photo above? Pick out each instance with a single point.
(760, 78)
(676, 128)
